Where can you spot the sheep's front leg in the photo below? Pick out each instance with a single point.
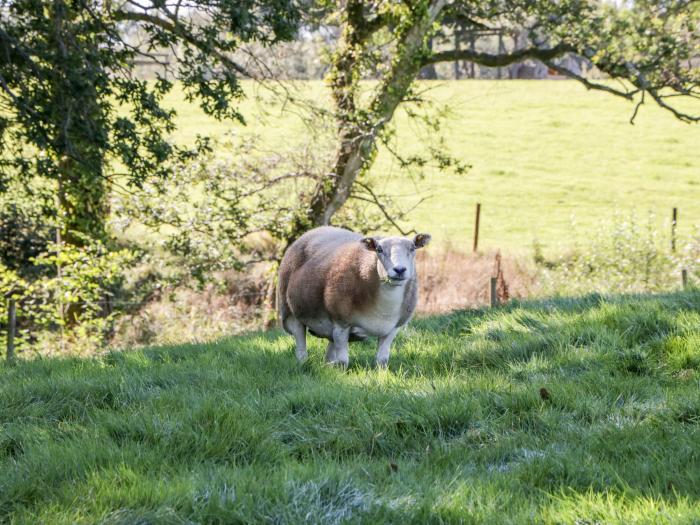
(341, 336)
(384, 347)
(330, 352)
(298, 330)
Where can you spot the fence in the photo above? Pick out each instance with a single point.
(496, 280)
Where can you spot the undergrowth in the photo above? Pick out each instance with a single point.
(622, 255)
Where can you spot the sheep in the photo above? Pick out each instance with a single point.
(345, 287)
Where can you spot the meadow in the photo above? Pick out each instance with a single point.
(549, 160)
(553, 411)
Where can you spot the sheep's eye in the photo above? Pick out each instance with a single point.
(379, 249)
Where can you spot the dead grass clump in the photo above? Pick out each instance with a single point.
(450, 279)
(235, 303)
(231, 305)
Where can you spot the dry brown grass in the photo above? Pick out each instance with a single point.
(450, 279)
(232, 306)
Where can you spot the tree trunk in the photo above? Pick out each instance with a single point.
(357, 134)
(428, 72)
(82, 188)
(357, 144)
(82, 202)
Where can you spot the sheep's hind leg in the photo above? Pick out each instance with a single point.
(341, 336)
(298, 330)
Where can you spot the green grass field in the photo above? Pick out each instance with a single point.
(542, 152)
(457, 430)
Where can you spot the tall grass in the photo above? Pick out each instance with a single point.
(554, 411)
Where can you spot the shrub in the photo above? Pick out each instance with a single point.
(621, 256)
(69, 303)
(24, 234)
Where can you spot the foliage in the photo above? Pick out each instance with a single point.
(73, 112)
(622, 256)
(24, 234)
(233, 208)
(553, 411)
(74, 120)
(68, 302)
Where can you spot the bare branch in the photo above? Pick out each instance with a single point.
(683, 117)
(177, 29)
(498, 60)
(374, 199)
(629, 94)
(636, 108)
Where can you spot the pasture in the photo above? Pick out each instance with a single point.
(554, 411)
(544, 156)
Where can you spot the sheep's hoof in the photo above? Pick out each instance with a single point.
(302, 357)
(382, 364)
(341, 364)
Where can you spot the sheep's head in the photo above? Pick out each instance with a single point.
(396, 256)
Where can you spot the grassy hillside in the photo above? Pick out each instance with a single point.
(541, 153)
(556, 411)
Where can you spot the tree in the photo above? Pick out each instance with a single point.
(646, 47)
(73, 118)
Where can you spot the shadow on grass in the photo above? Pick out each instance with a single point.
(594, 395)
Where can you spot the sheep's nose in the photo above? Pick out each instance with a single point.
(399, 270)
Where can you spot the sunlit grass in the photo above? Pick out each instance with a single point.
(542, 153)
(458, 430)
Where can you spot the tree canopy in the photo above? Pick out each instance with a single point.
(646, 49)
(72, 111)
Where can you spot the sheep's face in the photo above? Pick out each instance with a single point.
(396, 256)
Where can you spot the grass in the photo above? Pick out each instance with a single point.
(458, 430)
(541, 152)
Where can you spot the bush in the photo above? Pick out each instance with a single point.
(68, 304)
(24, 234)
(621, 256)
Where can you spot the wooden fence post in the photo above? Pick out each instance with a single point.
(674, 221)
(494, 292)
(472, 48)
(11, 329)
(457, 35)
(501, 49)
(684, 278)
(476, 226)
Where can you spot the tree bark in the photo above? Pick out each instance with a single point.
(82, 202)
(82, 187)
(357, 135)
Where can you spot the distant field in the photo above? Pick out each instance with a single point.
(542, 152)
(557, 411)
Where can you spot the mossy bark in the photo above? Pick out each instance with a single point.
(358, 128)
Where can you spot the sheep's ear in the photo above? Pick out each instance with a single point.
(422, 239)
(370, 243)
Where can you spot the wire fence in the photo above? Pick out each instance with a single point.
(490, 289)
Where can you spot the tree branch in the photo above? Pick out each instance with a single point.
(629, 95)
(546, 56)
(374, 199)
(177, 29)
(683, 117)
(498, 60)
